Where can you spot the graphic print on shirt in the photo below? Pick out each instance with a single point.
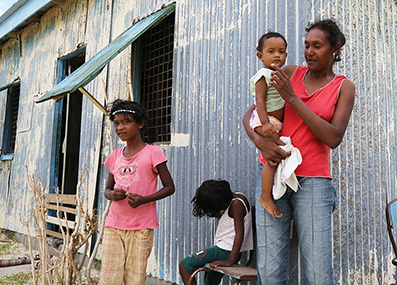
(127, 174)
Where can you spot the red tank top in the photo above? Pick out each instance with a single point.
(315, 154)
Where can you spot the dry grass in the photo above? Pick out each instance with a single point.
(17, 279)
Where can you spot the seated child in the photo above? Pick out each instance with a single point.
(233, 235)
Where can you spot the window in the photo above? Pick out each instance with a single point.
(67, 127)
(155, 79)
(66, 136)
(10, 123)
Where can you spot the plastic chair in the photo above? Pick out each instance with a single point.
(391, 219)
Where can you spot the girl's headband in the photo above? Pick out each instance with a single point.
(123, 111)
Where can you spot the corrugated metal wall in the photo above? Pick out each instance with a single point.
(364, 166)
(214, 58)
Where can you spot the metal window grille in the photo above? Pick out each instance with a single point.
(155, 89)
(14, 117)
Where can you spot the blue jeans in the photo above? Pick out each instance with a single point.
(311, 208)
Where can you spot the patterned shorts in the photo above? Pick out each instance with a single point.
(124, 256)
(256, 122)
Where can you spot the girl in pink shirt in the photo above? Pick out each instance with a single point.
(132, 188)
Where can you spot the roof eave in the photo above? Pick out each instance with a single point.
(18, 14)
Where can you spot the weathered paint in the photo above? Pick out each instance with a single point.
(180, 140)
(89, 70)
(214, 58)
(20, 15)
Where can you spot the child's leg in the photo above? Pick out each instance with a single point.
(185, 274)
(138, 244)
(194, 261)
(113, 252)
(266, 199)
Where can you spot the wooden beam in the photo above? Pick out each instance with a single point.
(58, 2)
(54, 234)
(33, 19)
(62, 198)
(12, 35)
(63, 209)
(63, 223)
(93, 100)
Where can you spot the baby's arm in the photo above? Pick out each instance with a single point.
(237, 210)
(111, 193)
(267, 128)
(268, 146)
(134, 200)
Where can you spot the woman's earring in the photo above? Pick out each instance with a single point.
(333, 55)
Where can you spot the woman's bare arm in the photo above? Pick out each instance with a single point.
(331, 133)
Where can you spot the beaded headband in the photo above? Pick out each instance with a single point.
(123, 111)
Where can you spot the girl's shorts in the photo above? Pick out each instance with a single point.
(256, 122)
(199, 259)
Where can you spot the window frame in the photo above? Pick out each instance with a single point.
(6, 153)
(137, 72)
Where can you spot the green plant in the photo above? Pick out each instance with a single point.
(17, 279)
(5, 248)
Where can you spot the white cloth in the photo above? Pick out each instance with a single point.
(284, 175)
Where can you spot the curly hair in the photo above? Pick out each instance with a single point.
(334, 34)
(269, 35)
(118, 106)
(212, 197)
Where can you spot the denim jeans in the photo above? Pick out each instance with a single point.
(311, 208)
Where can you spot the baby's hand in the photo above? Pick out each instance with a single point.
(268, 129)
(118, 194)
(135, 200)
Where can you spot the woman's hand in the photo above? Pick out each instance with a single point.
(331, 133)
(280, 81)
(270, 150)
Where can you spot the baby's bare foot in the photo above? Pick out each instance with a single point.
(268, 204)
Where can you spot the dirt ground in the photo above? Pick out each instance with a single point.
(13, 249)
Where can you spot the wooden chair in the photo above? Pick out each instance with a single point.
(67, 205)
(391, 219)
(240, 273)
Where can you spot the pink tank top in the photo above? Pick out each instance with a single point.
(315, 154)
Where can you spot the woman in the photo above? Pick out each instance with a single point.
(317, 111)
